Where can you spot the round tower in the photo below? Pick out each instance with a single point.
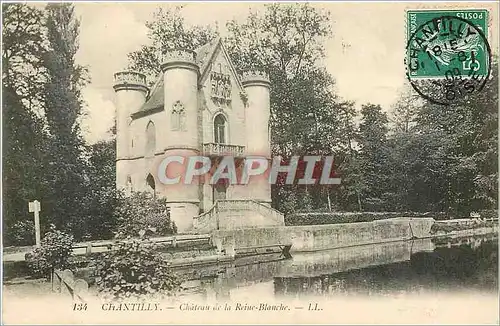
(131, 91)
(180, 79)
(258, 110)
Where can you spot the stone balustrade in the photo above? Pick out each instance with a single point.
(228, 213)
(250, 205)
(214, 149)
(234, 205)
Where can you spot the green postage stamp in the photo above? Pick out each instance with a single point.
(448, 45)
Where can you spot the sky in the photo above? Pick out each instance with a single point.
(365, 55)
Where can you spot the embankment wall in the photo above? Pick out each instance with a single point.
(321, 237)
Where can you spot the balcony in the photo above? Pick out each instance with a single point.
(214, 149)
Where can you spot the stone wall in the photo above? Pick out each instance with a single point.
(321, 237)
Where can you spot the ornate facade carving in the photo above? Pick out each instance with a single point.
(179, 55)
(221, 86)
(255, 76)
(130, 77)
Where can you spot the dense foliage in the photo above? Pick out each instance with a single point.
(53, 253)
(45, 157)
(21, 233)
(318, 218)
(447, 228)
(135, 269)
(141, 211)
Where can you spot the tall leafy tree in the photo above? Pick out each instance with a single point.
(403, 117)
(373, 160)
(418, 170)
(63, 107)
(287, 40)
(23, 126)
(167, 30)
(469, 129)
(24, 45)
(101, 198)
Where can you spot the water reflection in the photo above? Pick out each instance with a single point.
(383, 269)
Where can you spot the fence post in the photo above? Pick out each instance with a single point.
(68, 281)
(56, 281)
(88, 251)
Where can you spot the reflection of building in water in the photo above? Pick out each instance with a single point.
(464, 266)
(381, 269)
(233, 279)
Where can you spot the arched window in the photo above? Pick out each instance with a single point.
(151, 186)
(220, 129)
(178, 117)
(150, 139)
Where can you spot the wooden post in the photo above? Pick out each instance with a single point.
(88, 250)
(34, 207)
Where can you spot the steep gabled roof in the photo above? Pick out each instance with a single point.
(205, 54)
(155, 99)
(205, 67)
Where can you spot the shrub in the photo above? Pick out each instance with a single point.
(53, 253)
(100, 222)
(22, 233)
(134, 269)
(447, 228)
(488, 213)
(319, 218)
(141, 211)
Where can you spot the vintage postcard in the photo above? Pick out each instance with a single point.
(250, 163)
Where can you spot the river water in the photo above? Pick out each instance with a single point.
(467, 265)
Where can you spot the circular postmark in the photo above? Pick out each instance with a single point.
(447, 59)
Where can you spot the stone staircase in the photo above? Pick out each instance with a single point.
(237, 214)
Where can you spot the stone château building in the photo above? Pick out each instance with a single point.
(199, 105)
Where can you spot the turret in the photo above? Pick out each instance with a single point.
(131, 91)
(180, 76)
(258, 111)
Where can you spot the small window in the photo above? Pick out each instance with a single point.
(178, 117)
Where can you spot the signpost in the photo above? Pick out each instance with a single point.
(34, 207)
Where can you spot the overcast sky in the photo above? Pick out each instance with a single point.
(365, 54)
